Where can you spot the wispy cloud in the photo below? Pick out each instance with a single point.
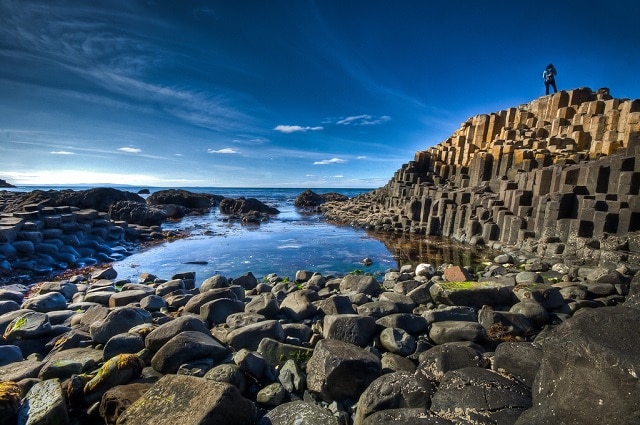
(61, 153)
(361, 157)
(363, 120)
(330, 161)
(129, 150)
(223, 151)
(338, 176)
(296, 128)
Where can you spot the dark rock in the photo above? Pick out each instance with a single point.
(339, 371)
(163, 333)
(438, 360)
(229, 374)
(298, 305)
(308, 198)
(298, 412)
(28, 325)
(397, 341)
(137, 213)
(264, 304)
(244, 206)
(278, 353)
(351, 328)
(472, 294)
(588, 372)
(480, 395)
(44, 405)
(249, 336)
(194, 304)
(185, 347)
(519, 359)
(97, 198)
(391, 391)
(184, 198)
(47, 302)
(408, 322)
(248, 281)
(117, 322)
(361, 284)
(118, 370)
(10, 354)
(117, 399)
(443, 332)
(217, 311)
(74, 361)
(9, 402)
(125, 343)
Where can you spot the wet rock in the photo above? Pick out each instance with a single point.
(244, 206)
(338, 370)
(500, 324)
(139, 213)
(391, 391)
(177, 399)
(451, 313)
(480, 395)
(44, 405)
(351, 328)
(298, 412)
(184, 347)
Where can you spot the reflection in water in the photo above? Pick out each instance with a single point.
(415, 249)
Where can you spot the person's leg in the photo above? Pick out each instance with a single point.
(546, 88)
(553, 84)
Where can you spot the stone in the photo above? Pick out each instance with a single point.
(188, 400)
(377, 309)
(66, 288)
(339, 371)
(229, 374)
(247, 281)
(335, 304)
(213, 282)
(548, 296)
(457, 274)
(351, 328)
(185, 347)
(45, 303)
(443, 332)
(109, 274)
(407, 322)
(264, 304)
(118, 321)
(117, 399)
(7, 306)
(588, 371)
(153, 303)
(472, 294)
(129, 343)
(194, 304)
(272, 395)
(532, 310)
(396, 363)
(397, 341)
(394, 390)
(528, 277)
(18, 371)
(118, 370)
(123, 298)
(298, 305)
(292, 377)
(28, 325)
(406, 416)
(163, 333)
(249, 336)
(44, 404)
(519, 359)
(254, 365)
(298, 412)
(481, 395)
(451, 313)
(440, 359)
(278, 353)
(10, 354)
(217, 311)
(74, 361)
(361, 284)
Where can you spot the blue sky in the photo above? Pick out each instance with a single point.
(294, 93)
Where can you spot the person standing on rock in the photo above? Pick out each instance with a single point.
(549, 77)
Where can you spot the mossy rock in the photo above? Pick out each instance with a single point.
(9, 401)
(472, 294)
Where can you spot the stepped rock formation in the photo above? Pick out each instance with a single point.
(558, 177)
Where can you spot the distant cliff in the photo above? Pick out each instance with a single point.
(3, 183)
(558, 177)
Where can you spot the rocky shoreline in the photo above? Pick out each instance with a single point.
(446, 345)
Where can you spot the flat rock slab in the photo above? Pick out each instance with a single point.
(44, 405)
(298, 412)
(18, 371)
(74, 361)
(188, 400)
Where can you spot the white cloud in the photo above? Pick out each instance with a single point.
(330, 161)
(130, 150)
(295, 128)
(364, 120)
(225, 150)
(361, 157)
(338, 177)
(61, 153)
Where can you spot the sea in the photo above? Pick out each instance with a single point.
(293, 240)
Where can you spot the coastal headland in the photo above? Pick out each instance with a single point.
(545, 333)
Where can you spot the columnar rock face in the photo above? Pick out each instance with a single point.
(558, 176)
